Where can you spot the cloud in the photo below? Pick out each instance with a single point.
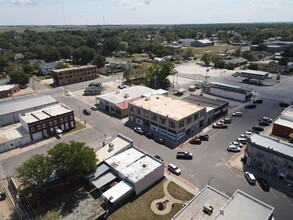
(147, 2)
(23, 2)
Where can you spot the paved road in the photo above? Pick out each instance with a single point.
(210, 160)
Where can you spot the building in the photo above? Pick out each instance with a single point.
(283, 126)
(116, 103)
(227, 91)
(74, 75)
(213, 204)
(18, 56)
(186, 42)
(215, 107)
(202, 43)
(47, 68)
(48, 121)
(10, 111)
(8, 90)
(270, 156)
(237, 61)
(172, 118)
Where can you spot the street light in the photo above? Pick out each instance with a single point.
(207, 75)
(210, 180)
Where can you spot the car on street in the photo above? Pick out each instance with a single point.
(138, 130)
(159, 158)
(257, 101)
(203, 137)
(256, 128)
(237, 114)
(263, 123)
(233, 148)
(250, 178)
(86, 112)
(174, 169)
(284, 104)
(266, 119)
(250, 106)
(159, 140)
(220, 125)
(226, 120)
(263, 184)
(235, 74)
(195, 141)
(94, 108)
(184, 155)
(236, 143)
(149, 135)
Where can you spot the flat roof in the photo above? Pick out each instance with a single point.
(20, 105)
(140, 168)
(6, 87)
(124, 159)
(204, 100)
(101, 169)
(284, 122)
(204, 41)
(113, 147)
(272, 144)
(117, 191)
(172, 108)
(225, 85)
(103, 180)
(194, 208)
(127, 94)
(45, 113)
(12, 132)
(74, 68)
(240, 207)
(287, 114)
(255, 72)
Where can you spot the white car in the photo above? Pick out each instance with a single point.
(174, 169)
(237, 114)
(233, 148)
(243, 135)
(236, 143)
(248, 133)
(250, 178)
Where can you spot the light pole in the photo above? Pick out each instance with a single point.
(207, 75)
(210, 180)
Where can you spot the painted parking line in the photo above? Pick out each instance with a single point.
(274, 194)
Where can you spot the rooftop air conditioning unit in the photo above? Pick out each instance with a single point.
(126, 96)
(208, 209)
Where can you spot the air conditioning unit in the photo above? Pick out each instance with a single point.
(208, 209)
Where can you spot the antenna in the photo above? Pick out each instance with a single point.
(63, 13)
(103, 20)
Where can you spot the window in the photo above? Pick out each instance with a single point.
(44, 125)
(154, 118)
(38, 127)
(71, 117)
(145, 114)
(50, 123)
(162, 120)
(61, 120)
(138, 111)
(65, 119)
(189, 120)
(171, 124)
(181, 123)
(55, 122)
(32, 129)
(196, 116)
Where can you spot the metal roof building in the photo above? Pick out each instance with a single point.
(9, 111)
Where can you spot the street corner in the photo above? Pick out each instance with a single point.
(236, 162)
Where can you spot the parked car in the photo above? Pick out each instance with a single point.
(233, 148)
(220, 125)
(149, 135)
(250, 106)
(121, 86)
(94, 108)
(195, 141)
(184, 155)
(263, 184)
(250, 178)
(284, 104)
(174, 169)
(86, 112)
(237, 114)
(226, 120)
(266, 119)
(236, 143)
(255, 128)
(257, 101)
(263, 123)
(248, 133)
(235, 74)
(203, 137)
(243, 136)
(138, 130)
(159, 158)
(241, 140)
(159, 140)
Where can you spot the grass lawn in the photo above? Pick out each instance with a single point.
(199, 51)
(140, 207)
(78, 126)
(176, 192)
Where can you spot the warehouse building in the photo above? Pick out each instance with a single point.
(169, 117)
(202, 43)
(283, 126)
(10, 111)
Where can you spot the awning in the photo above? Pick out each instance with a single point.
(103, 180)
(58, 131)
(123, 105)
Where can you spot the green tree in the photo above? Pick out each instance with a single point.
(51, 54)
(217, 60)
(3, 63)
(83, 55)
(253, 66)
(72, 159)
(188, 52)
(99, 61)
(61, 65)
(17, 75)
(34, 172)
(206, 58)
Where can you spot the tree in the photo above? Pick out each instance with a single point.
(253, 66)
(99, 61)
(188, 52)
(206, 58)
(51, 54)
(217, 60)
(34, 172)
(72, 159)
(3, 63)
(61, 65)
(83, 55)
(17, 75)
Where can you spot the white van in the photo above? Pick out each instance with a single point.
(174, 169)
(241, 140)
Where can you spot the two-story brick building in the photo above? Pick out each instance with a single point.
(74, 75)
(170, 117)
(48, 121)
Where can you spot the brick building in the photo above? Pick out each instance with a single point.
(48, 121)
(283, 126)
(74, 74)
(8, 90)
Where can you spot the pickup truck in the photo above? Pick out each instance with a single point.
(184, 155)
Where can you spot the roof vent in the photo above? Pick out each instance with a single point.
(147, 98)
(126, 95)
(144, 165)
(158, 97)
(117, 92)
(222, 211)
(208, 209)
(111, 146)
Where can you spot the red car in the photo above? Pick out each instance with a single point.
(195, 141)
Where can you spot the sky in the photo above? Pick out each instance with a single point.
(100, 12)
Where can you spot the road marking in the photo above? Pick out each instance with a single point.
(191, 176)
(238, 175)
(274, 194)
